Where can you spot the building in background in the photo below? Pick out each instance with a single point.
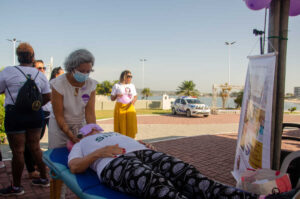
(297, 91)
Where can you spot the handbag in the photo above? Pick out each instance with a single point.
(263, 181)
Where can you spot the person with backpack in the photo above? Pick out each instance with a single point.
(29, 160)
(26, 91)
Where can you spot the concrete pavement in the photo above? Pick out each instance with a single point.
(207, 143)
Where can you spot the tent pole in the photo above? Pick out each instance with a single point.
(278, 28)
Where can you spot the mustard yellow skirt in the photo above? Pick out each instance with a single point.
(125, 121)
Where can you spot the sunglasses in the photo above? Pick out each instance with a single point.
(129, 76)
(41, 68)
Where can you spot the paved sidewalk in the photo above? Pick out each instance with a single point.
(212, 153)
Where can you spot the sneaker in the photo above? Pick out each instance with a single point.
(10, 191)
(293, 194)
(40, 182)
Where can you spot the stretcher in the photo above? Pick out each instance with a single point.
(85, 185)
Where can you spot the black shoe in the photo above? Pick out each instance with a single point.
(40, 182)
(293, 194)
(10, 191)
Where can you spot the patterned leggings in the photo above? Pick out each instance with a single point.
(152, 174)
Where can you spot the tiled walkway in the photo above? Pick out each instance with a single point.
(213, 155)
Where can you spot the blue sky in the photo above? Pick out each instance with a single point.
(181, 39)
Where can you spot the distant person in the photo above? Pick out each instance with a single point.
(39, 64)
(73, 99)
(128, 166)
(57, 71)
(2, 165)
(125, 121)
(23, 126)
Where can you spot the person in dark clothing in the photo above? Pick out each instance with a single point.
(23, 127)
(29, 160)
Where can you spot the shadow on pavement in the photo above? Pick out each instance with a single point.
(212, 155)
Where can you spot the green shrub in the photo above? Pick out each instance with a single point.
(239, 99)
(292, 109)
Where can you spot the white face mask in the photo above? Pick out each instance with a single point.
(80, 77)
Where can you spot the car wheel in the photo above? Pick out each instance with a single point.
(173, 111)
(188, 113)
(205, 115)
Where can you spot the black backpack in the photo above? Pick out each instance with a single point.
(29, 97)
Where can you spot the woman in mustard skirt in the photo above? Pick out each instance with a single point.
(124, 93)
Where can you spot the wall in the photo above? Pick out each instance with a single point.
(104, 103)
(166, 102)
(297, 91)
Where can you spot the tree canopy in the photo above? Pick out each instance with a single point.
(146, 93)
(105, 87)
(187, 88)
(239, 99)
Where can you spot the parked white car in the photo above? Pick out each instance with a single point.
(190, 106)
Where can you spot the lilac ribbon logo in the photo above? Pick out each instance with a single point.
(85, 98)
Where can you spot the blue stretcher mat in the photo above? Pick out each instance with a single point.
(85, 185)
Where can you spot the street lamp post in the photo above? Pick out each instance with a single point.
(143, 66)
(262, 41)
(14, 40)
(49, 71)
(229, 49)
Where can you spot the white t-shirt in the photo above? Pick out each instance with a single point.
(124, 89)
(13, 79)
(74, 105)
(48, 107)
(93, 142)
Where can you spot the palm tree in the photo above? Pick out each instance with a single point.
(187, 88)
(146, 93)
(225, 94)
(105, 87)
(239, 99)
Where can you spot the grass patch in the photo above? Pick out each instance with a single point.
(102, 114)
(292, 113)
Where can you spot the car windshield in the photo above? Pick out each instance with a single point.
(193, 101)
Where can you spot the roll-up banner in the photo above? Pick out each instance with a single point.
(254, 135)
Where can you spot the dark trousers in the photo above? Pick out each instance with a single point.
(29, 160)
